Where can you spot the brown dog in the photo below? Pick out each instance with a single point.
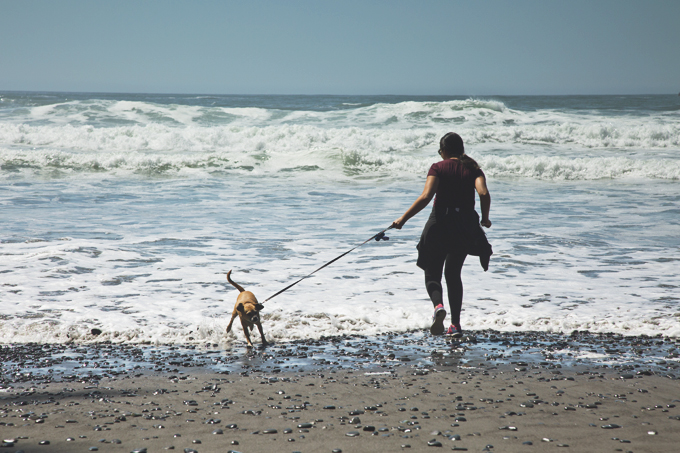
(248, 309)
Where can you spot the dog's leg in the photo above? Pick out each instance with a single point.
(259, 327)
(245, 331)
(233, 316)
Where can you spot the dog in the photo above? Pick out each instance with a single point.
(247, 308)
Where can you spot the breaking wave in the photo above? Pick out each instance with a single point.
(134, 137)
(330, 162)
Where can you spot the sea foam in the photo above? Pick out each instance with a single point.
(124, 214)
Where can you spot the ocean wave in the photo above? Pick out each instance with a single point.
(120, 137)
(332, 163)
(533, 167)
(281, 325)
(99, 112)
(558, 168)
(306, 129)
(480, 121)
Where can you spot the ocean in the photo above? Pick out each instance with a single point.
(123, 212)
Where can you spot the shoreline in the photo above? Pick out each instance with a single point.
(394, 392)
(28, 362)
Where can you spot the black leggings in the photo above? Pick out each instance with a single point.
(454, 284)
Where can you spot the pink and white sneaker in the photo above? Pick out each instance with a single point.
(455, 331)
(437, 327)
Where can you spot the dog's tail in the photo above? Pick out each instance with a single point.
(236, 285)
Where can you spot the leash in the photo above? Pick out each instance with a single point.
(377, 237)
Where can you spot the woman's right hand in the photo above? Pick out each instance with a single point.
(486, 223)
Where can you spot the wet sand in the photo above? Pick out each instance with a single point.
(424, 393)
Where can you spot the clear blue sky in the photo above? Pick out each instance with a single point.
(342, 47)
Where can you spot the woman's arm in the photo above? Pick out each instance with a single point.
(484, 199)
(423, 200)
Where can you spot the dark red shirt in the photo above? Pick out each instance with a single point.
(456, 184)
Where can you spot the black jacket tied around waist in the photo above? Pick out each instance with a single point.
(453, 230)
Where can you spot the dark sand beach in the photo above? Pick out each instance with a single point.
(498, 392)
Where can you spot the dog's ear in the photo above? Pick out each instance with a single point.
(259, 307)
(239, 307)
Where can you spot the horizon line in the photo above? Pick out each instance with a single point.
(320, 94)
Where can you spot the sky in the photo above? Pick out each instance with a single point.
(419, 47)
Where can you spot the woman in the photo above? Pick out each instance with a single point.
(452, 231)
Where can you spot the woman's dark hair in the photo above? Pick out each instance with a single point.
(452, 145)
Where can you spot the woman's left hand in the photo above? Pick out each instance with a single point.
(397, 224)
